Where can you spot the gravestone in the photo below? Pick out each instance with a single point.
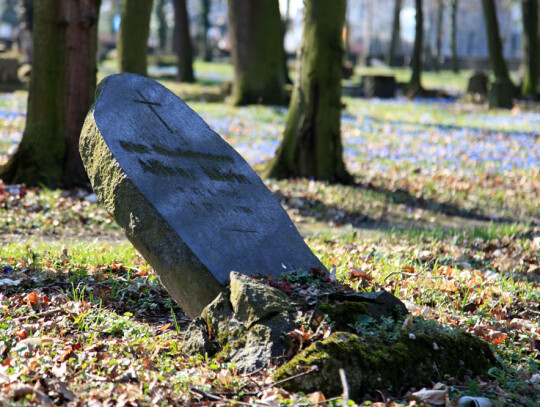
(186, 199)
(9, 81)
(478, 83)
(379, 86)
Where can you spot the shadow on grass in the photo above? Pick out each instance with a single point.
(453, 127)
(448, 216)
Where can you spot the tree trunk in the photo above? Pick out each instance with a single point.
(415, 84)
(183, 41)
(502, 92)
(61, 90)
(396, 35)
(162, 24)
(257, 52)
(438, 53)
(132, 42)
(284, 24)
(311, 145)
(453, 40)
(204, 48)
(530, 52)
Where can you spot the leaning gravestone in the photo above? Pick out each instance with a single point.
(186, 199)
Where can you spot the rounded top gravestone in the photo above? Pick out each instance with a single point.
(186, 199)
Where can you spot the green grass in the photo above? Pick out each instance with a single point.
(418, 230)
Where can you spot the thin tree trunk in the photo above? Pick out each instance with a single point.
(530, 51)
(61, 90)
(132, 42)
(453, 40)
(438, 55)
(311, 145)
(284, 24)
(415, 83)
(502, 91)
(162, 24)
(204, 47)
(184, 51)
(257, 52)
(396, 34)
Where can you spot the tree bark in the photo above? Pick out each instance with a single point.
(502, 91)
(453, 40)
(415, 83)
(396, 35)
(284, 25)
(61, 90)
(162, 24)
(132, 41)
(438, 53)
(204, 47)
(530, 52)
(257, 52)
(311, 145)
(183, 41)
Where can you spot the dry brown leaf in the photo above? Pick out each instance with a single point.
(316, 397)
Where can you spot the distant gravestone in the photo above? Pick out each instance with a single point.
(379, 86)
(9, 81)
(478, 83)
(186, 199)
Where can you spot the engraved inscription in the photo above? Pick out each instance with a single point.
(158, 168)
(191, 154)
(134, 147)
(217, 175)
(240, 230)
(152, 105)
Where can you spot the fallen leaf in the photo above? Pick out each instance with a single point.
(63, 389)
(437, 397)
(165, 327)
(316, 397)
(32, 298)
(357, 274)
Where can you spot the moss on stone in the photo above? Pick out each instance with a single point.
(346, 312)
(371, 364)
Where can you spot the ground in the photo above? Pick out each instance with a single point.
(445, 215)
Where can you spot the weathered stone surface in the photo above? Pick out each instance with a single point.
(185, 199)
(412, 360)
(196, 339)
(263, 345)
(252, 338)
(253, 301)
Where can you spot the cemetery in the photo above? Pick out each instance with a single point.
(348, 240)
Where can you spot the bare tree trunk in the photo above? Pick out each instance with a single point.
(311, 145)
(530, 53)
(415, 83)
(453, 40)
(438, 54)
(502, 90)
(61, 90)
(183, 41)
(204, 48)
(132, 41)
(396, 35)
(257, 52)
(162, 24)
(284, 25)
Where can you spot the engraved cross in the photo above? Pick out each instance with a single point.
(152, 105)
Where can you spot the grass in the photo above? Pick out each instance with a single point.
(453, 234)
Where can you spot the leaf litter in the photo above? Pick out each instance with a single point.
(456, 217)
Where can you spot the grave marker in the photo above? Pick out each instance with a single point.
(186, 199)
